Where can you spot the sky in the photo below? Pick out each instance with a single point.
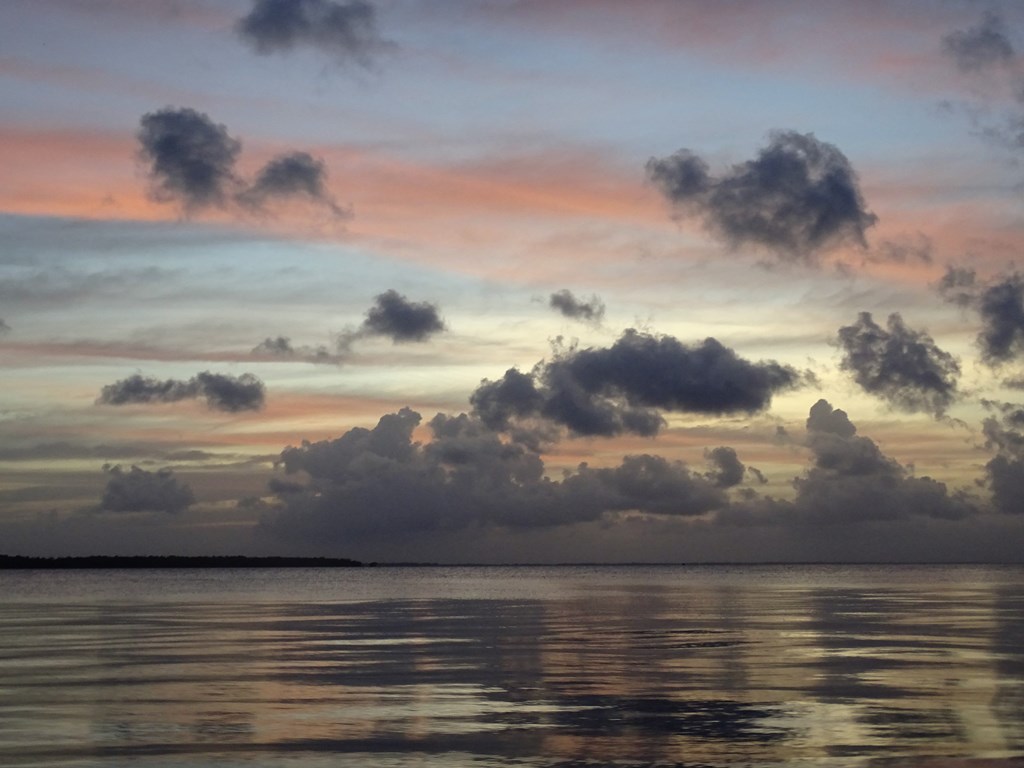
(513, 281)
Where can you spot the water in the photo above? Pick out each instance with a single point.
(531, 667)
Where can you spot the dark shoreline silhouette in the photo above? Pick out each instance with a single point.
(16, 562)
(175, 561)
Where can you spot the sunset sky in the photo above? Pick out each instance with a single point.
(512, 281)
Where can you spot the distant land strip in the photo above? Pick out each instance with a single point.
(175, 561)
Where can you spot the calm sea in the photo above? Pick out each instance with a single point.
(526, 666)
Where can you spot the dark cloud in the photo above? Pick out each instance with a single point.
(682, 177)
(999, 303)
(281, 487)
(1004, 432)
(1005, 476)
(139, 389)
(514, 396)
(799, 197)
(469, 479)
(618, 389)
(191, 158)
(902, 366)
(589, 311)
(399, 319)
(979, 47)
(222, 392)
(374, 482)
(646, 483)
(823, 418)
(392, 316)
(251, 503)
(1001, 306)
(727, 470)
(296, 174)
(231, 393)
(758, 475)
(4, 327)
(346, 31)
(850, 481)
(192, 162)
(137, 490)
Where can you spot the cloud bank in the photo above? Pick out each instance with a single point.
(362, 487)
(374, 482)
(138, 490)
(850, 481)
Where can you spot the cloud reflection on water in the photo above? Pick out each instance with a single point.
(672, 668)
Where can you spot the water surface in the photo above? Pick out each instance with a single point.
(530, 666)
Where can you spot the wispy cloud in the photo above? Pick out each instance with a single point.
(980, 47)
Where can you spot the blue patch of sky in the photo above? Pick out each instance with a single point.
(82, 279)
